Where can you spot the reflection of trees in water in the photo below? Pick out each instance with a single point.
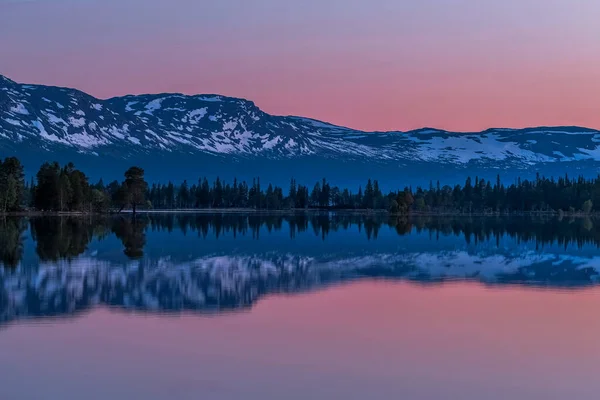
(11, 241)
(543, 231)
(216, 225)
(132, 233)
(68, 237)
(63, 238)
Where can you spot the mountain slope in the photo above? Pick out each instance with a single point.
(174, 136)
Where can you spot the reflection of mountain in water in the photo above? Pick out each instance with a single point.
(65, 282)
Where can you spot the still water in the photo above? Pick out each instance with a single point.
(317, 306)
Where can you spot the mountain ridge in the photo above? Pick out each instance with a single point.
(424, 128)
(219, 135)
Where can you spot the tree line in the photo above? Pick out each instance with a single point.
(65, 188)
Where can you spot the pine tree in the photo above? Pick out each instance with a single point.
(135, 187)
(293, 193)
(369, 196)
(12, 184)
(217, 196)
(183, 195)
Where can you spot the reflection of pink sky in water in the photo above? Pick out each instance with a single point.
(380, 340)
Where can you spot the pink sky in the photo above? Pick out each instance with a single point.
(379, 65)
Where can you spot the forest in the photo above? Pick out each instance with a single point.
(57, 188)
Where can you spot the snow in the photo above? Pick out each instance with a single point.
(559, 132)
(291, 144)
(593, 154)
(355, 137)
(229, 125)
(187, 129)
(561, 155)
(131, 103)
(269, 144)
(317, 124)
(196, 115)
(153, 106)
(114, 131)
(45, 135)
(158, 137)
(54, 120)
(178, 138)
(12, 121)
(220, 147)
(77, 122)
(213, 99)
(19, 108)
(464, 149)
(86, 141)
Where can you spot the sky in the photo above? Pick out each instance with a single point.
(462, 65)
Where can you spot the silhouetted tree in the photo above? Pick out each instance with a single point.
(135, 188)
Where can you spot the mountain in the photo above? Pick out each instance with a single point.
(175, 136)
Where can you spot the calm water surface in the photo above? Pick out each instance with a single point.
(328, 306)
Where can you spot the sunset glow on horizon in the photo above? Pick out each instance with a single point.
(463, 65)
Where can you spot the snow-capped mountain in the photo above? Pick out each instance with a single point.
(174, 136)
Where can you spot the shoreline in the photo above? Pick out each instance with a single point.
(297, 211)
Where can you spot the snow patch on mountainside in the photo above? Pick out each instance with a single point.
(45, 135)
(19, 109)
(196, 115)
(77, 122)
(463, 149)
(129, 104)
(13, 121)
(213, 99)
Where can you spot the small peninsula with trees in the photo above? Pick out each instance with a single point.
(66, 189)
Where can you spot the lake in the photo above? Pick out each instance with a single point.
(299, 306)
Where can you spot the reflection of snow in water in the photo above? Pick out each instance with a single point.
(219, 281)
